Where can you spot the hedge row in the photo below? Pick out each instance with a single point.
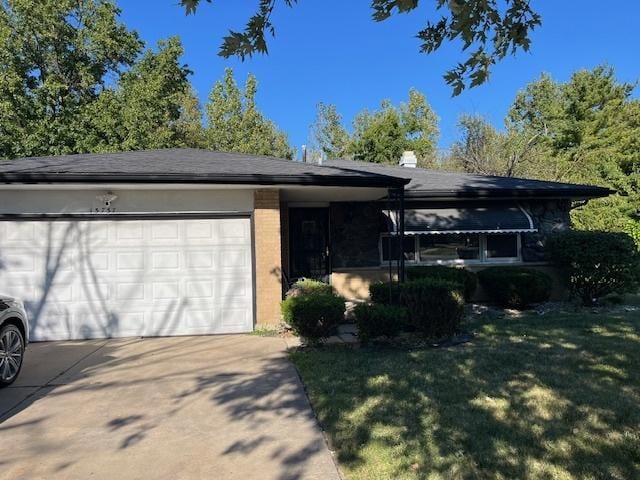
(434, 306)
(515, 287)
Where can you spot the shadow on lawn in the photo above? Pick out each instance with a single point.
(531, 398)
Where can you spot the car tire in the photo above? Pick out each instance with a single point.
(11, 354)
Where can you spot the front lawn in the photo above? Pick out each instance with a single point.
(551, 397)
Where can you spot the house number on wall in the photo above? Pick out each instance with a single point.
(105, 203)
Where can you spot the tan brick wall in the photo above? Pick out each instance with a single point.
(268, 251)
(354, 284)
(284, 224)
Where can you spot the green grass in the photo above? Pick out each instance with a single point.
(552, 397)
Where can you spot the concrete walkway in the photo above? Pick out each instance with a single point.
(221, 407)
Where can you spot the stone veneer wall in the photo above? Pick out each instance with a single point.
(356, 228)
(549, 217)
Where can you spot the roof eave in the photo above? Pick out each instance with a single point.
(577, 193)
(244, 179)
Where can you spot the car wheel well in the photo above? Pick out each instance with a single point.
(17, 323)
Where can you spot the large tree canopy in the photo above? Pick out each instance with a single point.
(488, 30)
(482, 149)
(56, 57)
(74, 79)
(591, 128)
(234, 123)
(585, 130)
(382, 135)
(150, 107)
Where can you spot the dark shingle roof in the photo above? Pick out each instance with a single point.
(437, 183)
(184, 165)
(190, 165)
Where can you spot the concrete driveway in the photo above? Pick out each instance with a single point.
(220, 407)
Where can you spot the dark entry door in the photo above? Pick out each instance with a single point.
(309, 242)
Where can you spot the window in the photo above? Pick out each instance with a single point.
(502, 246)
(454, 248)
(449, 247)
(393, 242)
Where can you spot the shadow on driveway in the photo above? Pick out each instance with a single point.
(186, 407)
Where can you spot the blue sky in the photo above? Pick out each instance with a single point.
(330, 51)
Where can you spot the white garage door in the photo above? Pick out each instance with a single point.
(95, 279)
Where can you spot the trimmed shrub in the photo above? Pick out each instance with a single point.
(515, 287)
(314, 316)
(377, 320)
(305, 286)
(596, 264)
(464, 277)
(434, 306)
(382, 293)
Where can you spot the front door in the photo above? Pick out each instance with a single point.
(309, 242)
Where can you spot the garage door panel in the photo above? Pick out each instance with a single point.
(204, 259)
(91, 292)
(163, 261)
(122, 278)
(234, 257)
(126, 232)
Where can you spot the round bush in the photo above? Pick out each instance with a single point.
(435, 307)
(305, 286)
(596, 264)
(462, 276)
(515, 287)
(379, 320)
(314, 316)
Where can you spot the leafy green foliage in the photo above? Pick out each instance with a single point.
(486, 151)
(380, 136)
(515, 287)
(314, 316)
(435, 306)
(152, 106)
(56, 58)
(590, 130)
(308, 286)
(467, 279)
(596, 263)
(236, 125)
(379, 320)
(328, 133)
(86, 85)
(494, 28)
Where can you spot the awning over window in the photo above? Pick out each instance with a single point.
(480, 219)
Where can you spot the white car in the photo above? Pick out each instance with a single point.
(14, 337)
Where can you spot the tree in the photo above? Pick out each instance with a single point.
(380, 136)
(383, 135)
(329, 136)
(591, 127)
(486, 151)
(152, 106)
(56, 58)
(236, 125)
(489, 29)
